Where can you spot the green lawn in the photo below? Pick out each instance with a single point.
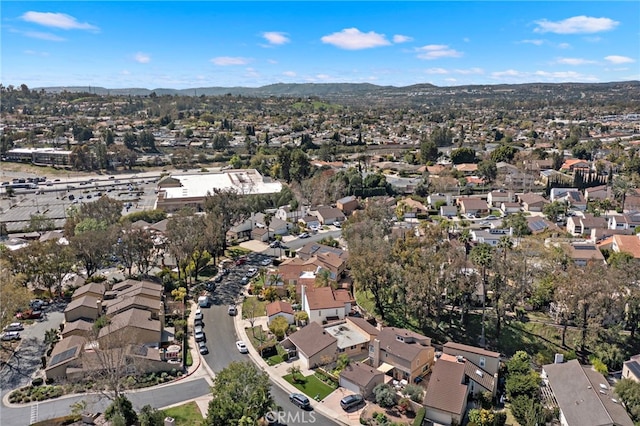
(187, 414)
(312, 387)
(261, 310)
(257, 336)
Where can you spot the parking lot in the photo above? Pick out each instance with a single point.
(52, 199)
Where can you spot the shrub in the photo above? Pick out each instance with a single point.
(414, 392)
(419, 417)
(385, 395)
(37, 381)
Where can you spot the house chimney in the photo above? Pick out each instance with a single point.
(303, 300)
(161, 315)
(99, 307)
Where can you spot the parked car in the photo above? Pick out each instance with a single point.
(200, 337)
(351, 401)
(242, 347)
(266, 262)
(337, 224)
(274, 244)
(491, 217)
(241, 261)
(231, 310)
(202, 347)
(29, 314)
(252, 271)
(14, 326)
(11, 335)
(199, 323)
(304, 235)
(300, 400)
(198, 315)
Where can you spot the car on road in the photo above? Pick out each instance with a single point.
(337, 224)
(242, 347)
(351, 401)
(202, 347)
(490, 217)
(300, 400)
(11, 335)
(231, 310)
(14, 326)
(199, 336)
(304, 235)
(198, 314)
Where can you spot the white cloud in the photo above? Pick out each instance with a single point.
(251, 72)
(574, 61)
(436, 71)
(35, 53)
(576, 25)
(125, 72)
(289, 73)
(399, 38)
(276, 38)
(437, 51)
(507, 73)
(615, 59)
(564, 46)
(466, 39)
(229, 60)
(43, 36)
(564, 76)
(512, 75)
(323, 76)
(536, 42)
(354, 39)
(469, 71)
(142, 58)
(57, 20)
(272, 61)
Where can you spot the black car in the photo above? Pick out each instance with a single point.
(351, 401)
(300, 400)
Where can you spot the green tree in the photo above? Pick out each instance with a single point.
(503, 153)
(121, 406)
(428, 151)
(150, 416)
(463, 155)
(239, 391)
(279, 326)
(629, 392)
(482, 256)
(488, 170)
(385, 395)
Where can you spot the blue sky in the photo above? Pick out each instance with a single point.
(163, 44)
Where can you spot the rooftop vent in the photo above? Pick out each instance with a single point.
(479, 373)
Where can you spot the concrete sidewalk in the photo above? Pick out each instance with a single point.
(276, 372)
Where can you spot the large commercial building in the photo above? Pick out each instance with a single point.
(189, 190)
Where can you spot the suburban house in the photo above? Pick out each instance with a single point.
(583, 396)
(582, 225)
(496, 198)
(78, 327)
(628, 244)
(313, 346)
(448, 211)
(410, 208)
(532, 202)
(475, 206)
(351, 341)
(402, 353)
(92, 289)
(276, 226)
(481, 366)
(490, 236)
(537, 224)
(133, 326)
(625, 221)
(311, 249)
(446, 399)
(310, 221)
(573, 164)
(601, 192)
(434, 199)
(348, 204)
(280, 309)
(574, 199)
(631, 369)
(558, 194)
(324, 304)
(360, 378)
(327, 215)
(509, 208)
(467, 169)
(287, 214)
(583, 253)
(65, 354)
(84, 307)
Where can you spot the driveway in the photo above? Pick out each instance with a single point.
(332, 402)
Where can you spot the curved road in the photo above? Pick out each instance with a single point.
(221, 337)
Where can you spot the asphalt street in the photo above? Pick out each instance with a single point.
(221, 338)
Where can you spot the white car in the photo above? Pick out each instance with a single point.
(11, 335)
(266, 262)
(242, 347)
(14, 326)
(252, 271)
(490, 217)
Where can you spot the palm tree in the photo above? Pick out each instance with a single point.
(465, 238)
(267, 222)
(621, 186)
(505, 244)
(482, 256)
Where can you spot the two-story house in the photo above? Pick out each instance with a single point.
(348, 204)
(582, 225)
(496, 198)
(532, 202)
(324, 304)
(475, 206)
(482, 366)
(625, 221)
(402, 353)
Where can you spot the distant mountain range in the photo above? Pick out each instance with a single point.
(360, 91)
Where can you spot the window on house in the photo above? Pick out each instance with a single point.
(370, 348)
(482, 362)
(340, 350)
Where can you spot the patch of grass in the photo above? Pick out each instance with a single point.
(187, 414)
(261, 310)
(312, 387)
(257, 336)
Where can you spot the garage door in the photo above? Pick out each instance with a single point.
(349, 385)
